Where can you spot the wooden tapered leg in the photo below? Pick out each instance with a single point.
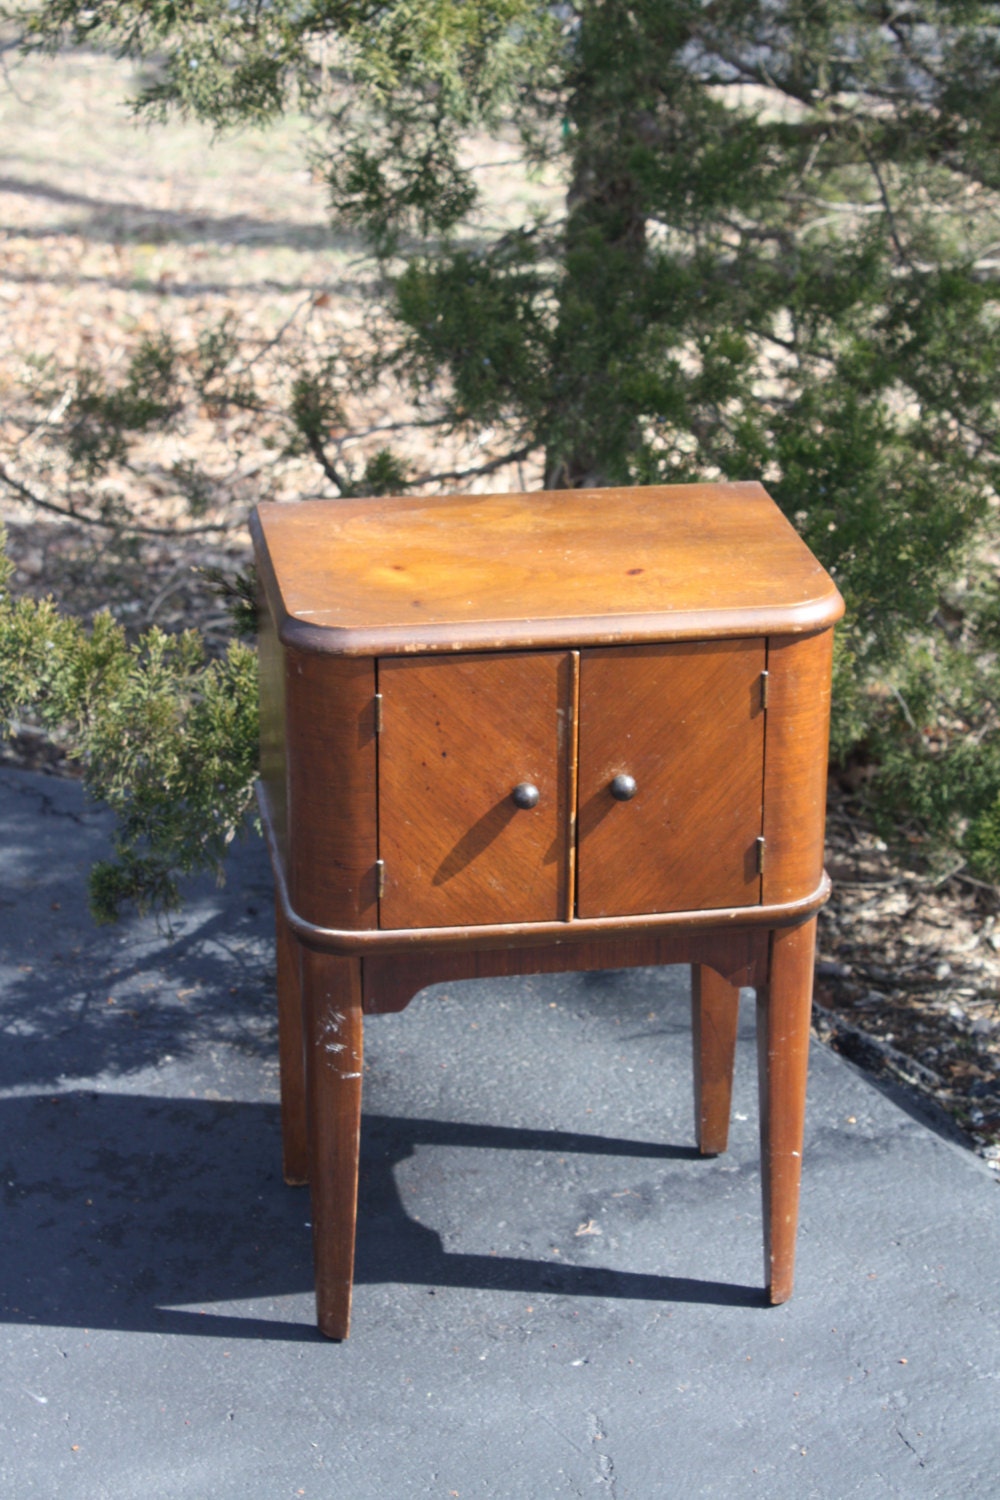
(714, 1015)
(331, 992)
(783, 1015)
(291, 1062)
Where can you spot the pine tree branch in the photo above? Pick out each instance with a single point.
(914, 59)
(379, 427)
(886, 203)
(315, 445)
(272, 343)
(516, 455)
(68, 513)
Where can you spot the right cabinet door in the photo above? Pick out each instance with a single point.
(686, 723)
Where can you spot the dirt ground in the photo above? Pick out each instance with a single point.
(111, 231)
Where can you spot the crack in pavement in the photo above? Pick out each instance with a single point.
(22, 788)
(906, 1443)
(604, 1462)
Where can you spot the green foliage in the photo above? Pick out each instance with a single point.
(480, 318)
(99, 419)
(174, 754)
(776, 260)
(416, 184)
(384, 474)
(233, 64)
(315, 405)
(938, 735)
(221, 376)
(166, 738)
(239, 592)
(93, 420)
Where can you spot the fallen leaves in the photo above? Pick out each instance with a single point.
(908, 981)
(589, 1226)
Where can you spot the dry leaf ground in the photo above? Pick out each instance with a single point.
(908, 982)
(114, 231)
(111, 231)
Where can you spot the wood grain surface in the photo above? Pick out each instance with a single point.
(291, 1057)
(559, 640)
(784, 1008)
(332, 832)
(271, 662)
(738, 955)
(715, 1005)
(459, 734)
(567, 567)
(361, 941)
(798, 731)
(686, 722)
(334, 1040)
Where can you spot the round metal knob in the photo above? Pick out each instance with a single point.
(525, 795)
(623, 788)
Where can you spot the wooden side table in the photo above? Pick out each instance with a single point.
(515, 734)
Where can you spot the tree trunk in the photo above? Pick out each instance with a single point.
(589, 427)
(610, 112)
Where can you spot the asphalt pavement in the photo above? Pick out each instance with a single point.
(555, 1296)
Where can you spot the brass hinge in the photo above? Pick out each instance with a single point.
(378, 713)
(761, 842)
(380, 878)
(764, 680)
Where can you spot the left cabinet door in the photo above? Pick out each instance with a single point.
(459, 734)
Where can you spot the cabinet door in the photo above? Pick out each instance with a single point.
(686, 722)
(459, 733)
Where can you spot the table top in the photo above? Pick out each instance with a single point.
(392, 576)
